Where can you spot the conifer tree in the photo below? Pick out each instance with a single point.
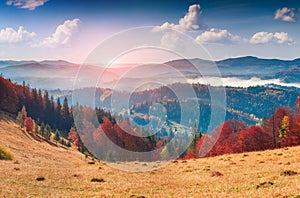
(58, 119)
(57, 135)
(42, 129)
(47, 132)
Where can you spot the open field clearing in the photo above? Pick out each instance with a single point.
(41, 169)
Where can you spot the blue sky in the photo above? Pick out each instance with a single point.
(70, 30)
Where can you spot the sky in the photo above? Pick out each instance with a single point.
(70, 30)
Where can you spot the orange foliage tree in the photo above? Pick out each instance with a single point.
(29, 124)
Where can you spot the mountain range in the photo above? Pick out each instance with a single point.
(61, 74)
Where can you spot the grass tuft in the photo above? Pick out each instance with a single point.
(5, 154)
(216, 174)
(97, 180)
(265, 185)
(40, 178)
(288, 173)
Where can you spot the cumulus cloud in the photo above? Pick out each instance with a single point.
(268, 37)
(285, 14)
(283, 37)
(169, 40)
(215, 35)
(62, 34)
(189, 23)
(261, 37)
(9, 35)
(26, 4)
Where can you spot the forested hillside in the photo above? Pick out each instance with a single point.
(39, 106)
(280, 127)
(34, 107)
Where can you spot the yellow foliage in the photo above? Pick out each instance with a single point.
(285, 125)
(5, 154)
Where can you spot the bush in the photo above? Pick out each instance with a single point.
(5, 154)
(40, 178)
(288, 173)
(216, 174)
(97, 180)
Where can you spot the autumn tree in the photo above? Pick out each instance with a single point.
(14, 97)
(297, 104)
(254, 138)
(35, 126)
(284, 128)
(73, 137)
(21, 116)
(196, 135)
(29, 124)
(8, 96)
(204, 145)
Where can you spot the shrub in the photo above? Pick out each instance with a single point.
(264, 185)
(216, 174)
(5, 154)
(40, 178)
(97, 180)
(288, 173)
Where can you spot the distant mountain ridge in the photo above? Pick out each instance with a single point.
(48, 74)
(20, 62)
(238, 61)
(247, 63)
(53, 74)
(251, 60)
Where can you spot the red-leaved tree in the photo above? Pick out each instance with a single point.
(73, 137)
(28, 123)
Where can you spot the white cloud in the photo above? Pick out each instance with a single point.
(189, 23)
(215, 35)
(282, 37)
(267, 37)
(62, 34)
(9, 35)
(223, 36)
(261, 37)
(26, 4)
(237, 82)
(285, 14)
(169, 40)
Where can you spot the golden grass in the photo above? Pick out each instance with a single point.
(66, 173)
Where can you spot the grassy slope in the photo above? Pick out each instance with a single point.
(67, 173)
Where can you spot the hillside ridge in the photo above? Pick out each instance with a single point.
(270, 173)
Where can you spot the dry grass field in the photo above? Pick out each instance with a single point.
(40, 169)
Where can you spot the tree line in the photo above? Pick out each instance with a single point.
(39, 106)
(282, 129)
